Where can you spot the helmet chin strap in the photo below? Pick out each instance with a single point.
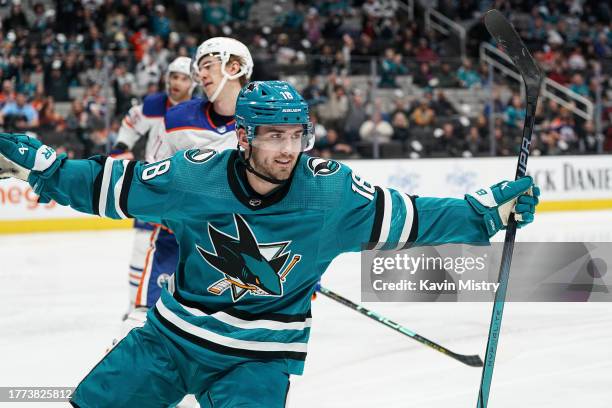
(247, 163)
(226, 77)
(215, 94)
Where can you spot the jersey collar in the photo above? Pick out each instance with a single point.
(237, 179)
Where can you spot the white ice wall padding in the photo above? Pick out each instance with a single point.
(560, 178)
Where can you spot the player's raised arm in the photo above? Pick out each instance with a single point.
(100, 185)
(389, 219)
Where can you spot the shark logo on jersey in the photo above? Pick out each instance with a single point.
(322, 167)
(199, 155)
(247, 265)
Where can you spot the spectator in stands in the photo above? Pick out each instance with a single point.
(319, 130)
(113, 132)
(550, 109)
(327, 62)
(563, 128)
(124, 97)
(95, 74)
(160, 54)
(50, 119)
(57, 82)
(147, 71)
(355, 117)
(391, 67)
(330, 145)
(537, 29)
(8, 92)
(424, 53)
(19, 115)
(423, 116)
(160, 23)
(285, 53)
(39, 98)
(97, 141)
(140, 42)
(451, 143)
(579, 86)
(294, 18)
(446, 78)
(214, 14)
(94, 43)
(576, 61)
(376, 129)
(514, 115)
(399, 122)
(475, 145)
(558, 73)
(502, 144)
(240, 10)
(26, 86)
(94, 101)
(41, 19)
(38, 76)
(77, 121)
(364, 48)
(423, 78)
(550, 140)
(313, 94)
(468, 77)
(442, 106)
(588, 138)
(312, 26)
(334, 111)
(121, 76)
(16, 19)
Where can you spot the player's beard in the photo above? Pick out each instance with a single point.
(270, 168)
(178, 95)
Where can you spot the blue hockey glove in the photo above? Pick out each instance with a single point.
(497, 202)
(21, 154)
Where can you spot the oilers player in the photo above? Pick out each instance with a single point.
(148, 119)
(257, 227)
(221, 66)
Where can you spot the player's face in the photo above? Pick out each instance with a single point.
(210, 75)
(275, 150)
(180, 84)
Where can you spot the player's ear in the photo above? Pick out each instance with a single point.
(232, 67)
(242, 138)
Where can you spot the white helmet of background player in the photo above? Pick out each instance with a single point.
(181, 65)
(224, 48)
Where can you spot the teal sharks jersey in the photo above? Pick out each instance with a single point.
(248, 264)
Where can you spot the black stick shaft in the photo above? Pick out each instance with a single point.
(504, 269)
(471, 360)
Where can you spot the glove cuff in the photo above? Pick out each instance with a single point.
(489, 215)
(49, 171)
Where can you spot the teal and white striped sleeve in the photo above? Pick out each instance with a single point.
(113, 188)
(372, 216)
(384, 218)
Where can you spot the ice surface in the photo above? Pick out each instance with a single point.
(62, 296)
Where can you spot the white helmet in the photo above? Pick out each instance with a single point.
(182, 65)
(224, 47)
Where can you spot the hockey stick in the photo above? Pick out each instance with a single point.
(505, 36)
(474, 361)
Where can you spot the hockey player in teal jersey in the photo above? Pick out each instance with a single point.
(256, 227)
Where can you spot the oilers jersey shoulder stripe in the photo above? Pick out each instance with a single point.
(194, 115)
(155, 105)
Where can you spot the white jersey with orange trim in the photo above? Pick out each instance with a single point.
(147, 118)
(195, 124)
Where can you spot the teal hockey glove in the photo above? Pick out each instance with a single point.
(497, 202)
(21, 154)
